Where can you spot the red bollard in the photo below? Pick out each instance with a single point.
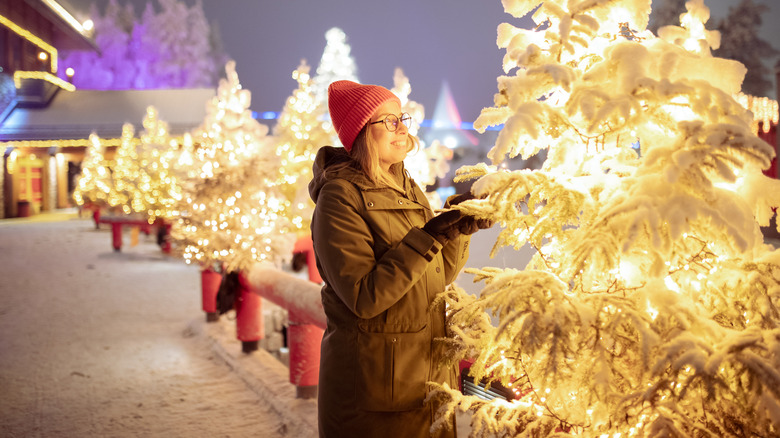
(304, 339)
(249, 317)
(166, 247)
(96, 215)
(304, 343)
(209, 283)
(116, 236)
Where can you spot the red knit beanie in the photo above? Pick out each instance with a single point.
(351, 106)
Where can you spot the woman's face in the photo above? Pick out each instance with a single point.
(391, 147)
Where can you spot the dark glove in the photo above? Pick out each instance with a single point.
(460, 198)
(444, 226)
(470, 225)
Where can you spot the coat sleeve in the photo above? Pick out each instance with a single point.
(455, 253)
(344, 247)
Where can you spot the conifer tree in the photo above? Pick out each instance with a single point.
(173, 48)
(126, 168)
(336, 64)
(298, 134)
(650, 308)
(232, 213)
(665, 13)
(156, 181)
(740, 41)
(94, 184)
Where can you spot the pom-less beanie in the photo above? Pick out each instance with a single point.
(351, 106)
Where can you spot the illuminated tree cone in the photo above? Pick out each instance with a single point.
(300, 131)
(209, 282)
(94, 184)
(231, 212)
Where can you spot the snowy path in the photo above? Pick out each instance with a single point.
(96, 343)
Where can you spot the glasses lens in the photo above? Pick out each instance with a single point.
(391, 123)
(406, 119)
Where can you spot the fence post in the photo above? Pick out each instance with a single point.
(249, 316)
(304, 339)
(209, 284)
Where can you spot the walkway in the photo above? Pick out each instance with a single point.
(96, 343)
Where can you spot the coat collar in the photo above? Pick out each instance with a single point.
(327, 166)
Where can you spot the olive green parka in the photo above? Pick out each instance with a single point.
(381, 273)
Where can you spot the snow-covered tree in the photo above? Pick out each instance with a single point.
(174, 48)
(156, 180)
(232, 214)
(298, 134)
(94, 184)
(652, 305)
(126, 168)
(113, 67)
(179, 36)
(740, 41)
(336, 64)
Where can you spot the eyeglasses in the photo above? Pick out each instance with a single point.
(391, 121)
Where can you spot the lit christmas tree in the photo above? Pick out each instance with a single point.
(651, 306)
(158, 186)
(427, 163)
(126, 168)
(336, 64)
(299, 133)
(94, 184)
(232, 215)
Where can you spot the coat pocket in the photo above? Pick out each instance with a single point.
(392, 370)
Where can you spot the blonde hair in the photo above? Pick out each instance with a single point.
(365, 156)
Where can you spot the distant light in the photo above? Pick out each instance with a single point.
(69, 72)
(88, 25)
(42, 56)
(450, 142)
(269, 115)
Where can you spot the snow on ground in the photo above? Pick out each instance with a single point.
(98, 343)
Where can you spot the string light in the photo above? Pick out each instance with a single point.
(764, 109)
(31, 37)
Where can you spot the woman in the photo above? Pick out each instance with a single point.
(383, 257)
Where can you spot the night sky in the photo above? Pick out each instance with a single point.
(432, 40)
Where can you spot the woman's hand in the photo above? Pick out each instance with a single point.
(444, 227)
(470, 225)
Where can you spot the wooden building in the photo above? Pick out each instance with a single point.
(45, 122)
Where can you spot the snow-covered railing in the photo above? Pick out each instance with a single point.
(295, 294)
(306, 318)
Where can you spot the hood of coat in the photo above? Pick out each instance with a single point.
(329, 164)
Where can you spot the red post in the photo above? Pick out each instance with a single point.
(304, 339)
(209, 283)
(95, 215)
(116, 235)
(167, 241)
(304, 342)
(249, 317)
